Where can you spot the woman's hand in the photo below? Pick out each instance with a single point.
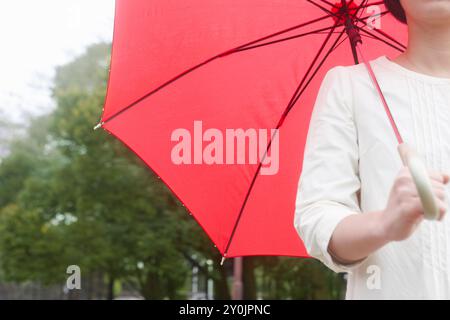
(359, 235)
(404, 210)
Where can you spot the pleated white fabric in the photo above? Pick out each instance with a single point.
(350, 163)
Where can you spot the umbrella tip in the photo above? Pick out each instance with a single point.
(99, 125)
(222, 261)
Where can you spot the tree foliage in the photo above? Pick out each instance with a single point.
(72, 196)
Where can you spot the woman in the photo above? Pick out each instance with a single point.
(357, 207)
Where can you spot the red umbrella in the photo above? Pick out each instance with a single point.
(191, 81)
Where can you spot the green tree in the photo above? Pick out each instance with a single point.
(69, 195)
(79, 197)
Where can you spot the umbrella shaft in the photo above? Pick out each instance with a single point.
(237, 279)
(381, 95)
(352, 32)
(356, 42)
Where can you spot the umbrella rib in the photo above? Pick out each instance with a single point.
(335, 45)
(280, 122)
(329, 3)
(361, 8)
(300, 90)
(400, 48)
(324, 9)
(378, 3)
(357, 11)
(331, 12)
(298, 93)
(362, 20)
(364, 4)
(223, 54)
(368, 36)
(359, 28)
(372, 16)
(274, 35)
(318, 31)
(340, 43)
(385, 35)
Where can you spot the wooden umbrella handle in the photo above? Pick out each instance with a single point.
(421, 179)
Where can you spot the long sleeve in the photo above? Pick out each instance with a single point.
(329, 184)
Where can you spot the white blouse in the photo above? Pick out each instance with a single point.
(350, 163)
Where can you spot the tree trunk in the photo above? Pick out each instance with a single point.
(110, 293)
(248, 278)
(153, 288)
(221, 288)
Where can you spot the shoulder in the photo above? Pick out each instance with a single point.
(353, 73)
(339, 87)
(346, 81)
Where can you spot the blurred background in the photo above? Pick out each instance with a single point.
(72, 196)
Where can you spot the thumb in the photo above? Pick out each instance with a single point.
(445, 177)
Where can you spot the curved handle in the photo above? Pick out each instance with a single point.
(421, 179)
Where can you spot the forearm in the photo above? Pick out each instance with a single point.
(357, 236)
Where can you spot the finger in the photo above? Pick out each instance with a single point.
(410, 190)
(418, 209)
(414, 207)
(440, 194)
(439, 176)
(442, 205)
(438, 185)
(419, 219)
(446, 178)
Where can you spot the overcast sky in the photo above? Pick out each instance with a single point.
(38, 35)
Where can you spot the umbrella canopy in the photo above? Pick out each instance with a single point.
(188, 78)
